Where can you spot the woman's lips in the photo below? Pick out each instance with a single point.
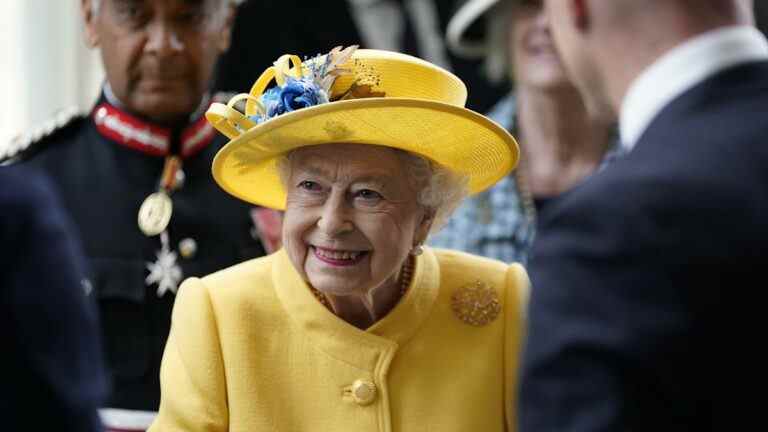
(339, 258)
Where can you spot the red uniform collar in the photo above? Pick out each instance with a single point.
(131, 131)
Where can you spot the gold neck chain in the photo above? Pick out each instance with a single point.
(406, 274)
(522, 179)
(524, 191)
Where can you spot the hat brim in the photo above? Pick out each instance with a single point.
(454, 137)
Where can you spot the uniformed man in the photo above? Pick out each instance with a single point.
(135, 175)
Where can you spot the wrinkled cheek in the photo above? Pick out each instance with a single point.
(297, 252)
(390, 249)
(294, 232)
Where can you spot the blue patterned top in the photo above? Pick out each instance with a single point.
(493, 223)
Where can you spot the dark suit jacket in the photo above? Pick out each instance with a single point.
(52, 374)
(645, 279)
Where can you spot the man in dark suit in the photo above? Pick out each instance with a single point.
(52, 372)
(644, 310)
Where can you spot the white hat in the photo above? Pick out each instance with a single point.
(464, 18)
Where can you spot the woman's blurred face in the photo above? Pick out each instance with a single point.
(535, 61)
(351, 217)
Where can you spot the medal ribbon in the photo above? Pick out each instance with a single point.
(169, 180)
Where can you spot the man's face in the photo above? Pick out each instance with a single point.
(578, 58)
(159, 55)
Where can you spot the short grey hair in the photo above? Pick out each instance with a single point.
(96, 4)
(440, 190)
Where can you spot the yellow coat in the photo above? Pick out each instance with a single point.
(251, 349)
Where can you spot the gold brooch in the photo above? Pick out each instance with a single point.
(476, 303)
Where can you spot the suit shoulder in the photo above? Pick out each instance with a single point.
(38, 137)
(244, 286)
(229, 280)
(454, 261)
(24, 189)
(256, 271)
(460, 268)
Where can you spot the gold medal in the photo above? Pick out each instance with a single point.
(155, 213)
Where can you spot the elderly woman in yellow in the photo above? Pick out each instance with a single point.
(353, 325)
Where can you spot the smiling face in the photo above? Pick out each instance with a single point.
(159, 55)
(535, 59)
(351, 217)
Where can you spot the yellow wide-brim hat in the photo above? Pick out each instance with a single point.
(366, 97)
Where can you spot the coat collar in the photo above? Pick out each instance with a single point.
(334, 336)
(681, 69)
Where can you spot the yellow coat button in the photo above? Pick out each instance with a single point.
(363, 392)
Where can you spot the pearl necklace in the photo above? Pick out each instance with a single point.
(406, 275)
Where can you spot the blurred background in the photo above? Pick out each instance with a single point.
(47, 68)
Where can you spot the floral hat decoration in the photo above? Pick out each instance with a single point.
(358, 96)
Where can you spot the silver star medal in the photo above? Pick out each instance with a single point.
(165, 272)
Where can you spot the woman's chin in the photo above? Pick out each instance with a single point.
(337, 287)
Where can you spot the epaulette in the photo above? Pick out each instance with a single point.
(27, 141)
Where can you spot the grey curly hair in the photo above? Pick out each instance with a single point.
(440, 190)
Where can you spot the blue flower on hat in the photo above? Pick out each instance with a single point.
(311, 87)
(295, 94)
(273, 102)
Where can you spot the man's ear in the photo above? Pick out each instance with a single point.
(89, 21)
(225, 35)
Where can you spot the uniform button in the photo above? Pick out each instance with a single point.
(180, 179)
(87, 286)
(188, 248)
(363, 392)
(101, 115)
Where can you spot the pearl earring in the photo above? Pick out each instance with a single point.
(417, 250)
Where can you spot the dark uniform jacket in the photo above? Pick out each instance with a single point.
(105, 165)
(645, 310)
(53, 375)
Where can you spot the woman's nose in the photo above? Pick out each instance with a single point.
(334, 219)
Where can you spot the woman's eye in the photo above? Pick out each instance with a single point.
(309, 185)
(368, 194)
